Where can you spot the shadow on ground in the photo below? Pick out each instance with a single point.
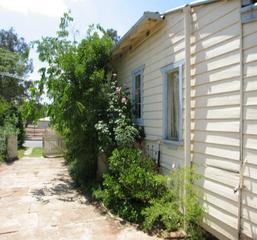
(60, 188)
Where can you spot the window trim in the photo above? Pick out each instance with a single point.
(138, 71)
(248, 12)
(165, 70)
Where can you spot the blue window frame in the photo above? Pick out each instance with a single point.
(248, 11)
(172, 103)
(137, 94)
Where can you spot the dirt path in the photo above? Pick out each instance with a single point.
(37, 201)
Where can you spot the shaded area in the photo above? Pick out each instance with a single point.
(61, 187)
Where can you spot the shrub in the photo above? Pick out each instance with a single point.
(174, 209)
(136, 192)
(8, 125)
(11, 120)
(131, 184)
(14, 117)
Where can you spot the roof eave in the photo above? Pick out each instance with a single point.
(157, 16)
(147, 15)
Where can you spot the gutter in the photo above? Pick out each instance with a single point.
(193, 4)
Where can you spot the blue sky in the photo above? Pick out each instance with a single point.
(35, 18)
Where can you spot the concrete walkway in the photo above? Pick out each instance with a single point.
(38, 202)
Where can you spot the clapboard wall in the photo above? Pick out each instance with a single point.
(215, 84)
(216, 93)
(249, 208)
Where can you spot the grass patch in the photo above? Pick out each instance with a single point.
(36, 152)
(21, 151)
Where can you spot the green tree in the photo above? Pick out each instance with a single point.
(75, 81)
(14, 65)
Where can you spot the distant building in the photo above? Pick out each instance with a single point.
(43, 123)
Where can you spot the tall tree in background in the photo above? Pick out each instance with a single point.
(14, 65)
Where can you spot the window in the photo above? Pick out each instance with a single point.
(137, 81)
(137, 102)
(248, 11)
(172, 102)
(245, 3)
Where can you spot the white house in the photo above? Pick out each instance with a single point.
(193, 77)
(43, 123)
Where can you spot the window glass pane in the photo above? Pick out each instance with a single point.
(138, 96)
(245, 3)
(173, 105)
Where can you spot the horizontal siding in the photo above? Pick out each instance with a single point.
(229, 99)
(206, 160)
(215, 98)
(215, 137)
(249, 208)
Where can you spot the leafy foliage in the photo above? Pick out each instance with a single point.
(14, 66)
(76, 84)
(116, 128)
(32, 108)
(14, 61)
(16, 57)
(173, 209)
(10, 123)
(131, 183)
(135, 191)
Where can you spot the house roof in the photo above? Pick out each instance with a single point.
(141, 29)
(192, 4)
(145, 26)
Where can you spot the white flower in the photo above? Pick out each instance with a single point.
(118, 89)
(124, 100)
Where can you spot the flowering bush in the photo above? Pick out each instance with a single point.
(117, 129)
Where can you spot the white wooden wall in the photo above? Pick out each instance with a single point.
(249, 210)
(215, 100)
(215, 83)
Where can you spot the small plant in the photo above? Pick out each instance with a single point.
(174, 209)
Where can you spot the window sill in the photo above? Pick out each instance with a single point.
(139, 122)
(172, 144)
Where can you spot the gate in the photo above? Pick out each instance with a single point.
(53, 144)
